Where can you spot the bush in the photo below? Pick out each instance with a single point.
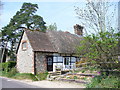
(110, 82)
(28, 76)
(42, 76)
(7, 66)
(3, 73)
(12, 72)
(105, 82)
(1, 64)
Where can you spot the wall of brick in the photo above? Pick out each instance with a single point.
(25, 58)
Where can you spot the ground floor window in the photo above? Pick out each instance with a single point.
(66, 61)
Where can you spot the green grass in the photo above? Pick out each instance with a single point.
(3, 73)
(14, 74)
(22, 76)
(8, 69)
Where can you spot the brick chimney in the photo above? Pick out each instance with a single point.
(78, 29)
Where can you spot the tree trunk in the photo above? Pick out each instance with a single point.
(3, 53)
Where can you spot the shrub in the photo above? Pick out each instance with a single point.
(7, 66)
(10, 65)
(105, 82)
(12, 72)
(3, 73)
(110, 82)
(42, 76)
(1, 64)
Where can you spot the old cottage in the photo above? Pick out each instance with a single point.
(40, 52)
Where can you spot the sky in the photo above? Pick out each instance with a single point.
(61, 12)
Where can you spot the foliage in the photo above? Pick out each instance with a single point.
(52, 27)
(12, 72)
(75, 77)
(42, 76)
(25, 18)
(101, 46)
(105, 82)
(100, 49)
(7, 66)
(8, 70)
(3, 73)
(28, 76)
(81, 63)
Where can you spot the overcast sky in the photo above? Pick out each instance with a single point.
(62, 12)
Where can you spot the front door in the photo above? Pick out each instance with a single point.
(49, 63)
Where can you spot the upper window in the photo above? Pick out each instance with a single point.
(24, 45)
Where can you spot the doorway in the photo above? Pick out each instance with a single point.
(49, 63)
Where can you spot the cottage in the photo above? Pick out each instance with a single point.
(40, 52)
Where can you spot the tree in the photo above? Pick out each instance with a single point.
(25, 18)
(52, 27)
(98, 15)
(100, 47)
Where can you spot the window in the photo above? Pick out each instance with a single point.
(24, 45)
(49, 61)
(60, 59)
(73, 59)
(66, 61)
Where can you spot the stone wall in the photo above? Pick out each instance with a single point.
(25, 58)
(41, 61)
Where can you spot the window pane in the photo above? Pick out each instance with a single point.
(66, 60)
(60, 59)
(55, 59)
(73, 59)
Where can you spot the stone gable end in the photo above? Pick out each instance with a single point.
(25, 57)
